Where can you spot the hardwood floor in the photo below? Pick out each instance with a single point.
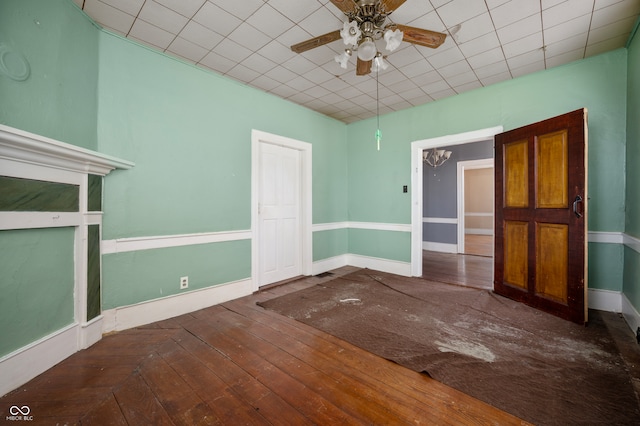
(237, 363)
(479, 245)
(460, 269)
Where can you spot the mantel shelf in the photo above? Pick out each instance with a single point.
(18, 145)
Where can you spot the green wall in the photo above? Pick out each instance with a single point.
(376, 177)
(36, 284)
(632, 258)
(189, 133)
(59, 99)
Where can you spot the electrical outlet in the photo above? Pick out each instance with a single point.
(184, 282)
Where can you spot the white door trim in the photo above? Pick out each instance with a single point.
(258, 137)
(462, 166)
(416, 183)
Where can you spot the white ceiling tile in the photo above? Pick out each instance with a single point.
(430, 21)
(265, 83)
(319, 55)
(132, 7)
(473, 28)
(296, 10)
(247, 36)
(481, 44)
(461, 79)
(496, 78)
(546, 4)
(416, 68)
(617, 29)
(162, 17)
(232, 50)
(445, 58)
(493, 69)
(200, 35)
(270, 21)
(299, 64)
(615, 12)
(242, 73)
(520, 29)
(402, 57)
(187, 49)
(184, 7)
(259, 63)
(319, 75)
(467, 86)
(241, 9)
(513, 11)
(454, 69)
(435, 87)
(300, 83)
(217, 63)
(281, 74)
(151, 34)
(606, 45)
(284, 91)
(567, 45)
(518, 47)
(528, 58)
(458, 11)
(320, 22)
(492, 4)
(568, 29)
(565, 58)
(486, 58)
(565, 12)
(277, 52)
(411, 10)
(528, 69)
(109, 16)
(216, 19)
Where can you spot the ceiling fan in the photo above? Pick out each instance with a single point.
(365, 25)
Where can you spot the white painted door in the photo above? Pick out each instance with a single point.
(279, 211)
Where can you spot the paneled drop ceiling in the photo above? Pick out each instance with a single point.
(488, 41)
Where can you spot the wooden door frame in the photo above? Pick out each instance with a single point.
(463, 166)
(306, 188)
(416, 182)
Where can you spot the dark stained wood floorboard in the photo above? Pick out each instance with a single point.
(460, 269)
(236, 363)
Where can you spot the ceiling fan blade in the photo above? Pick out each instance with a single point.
(363, 67)
(422, 37)
(391, 5)
(316, 42)
(346, 6)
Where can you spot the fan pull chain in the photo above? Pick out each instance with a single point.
(378, 132)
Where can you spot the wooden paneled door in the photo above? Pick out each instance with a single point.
(541, 215)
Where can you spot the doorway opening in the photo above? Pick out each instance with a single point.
(417, 193)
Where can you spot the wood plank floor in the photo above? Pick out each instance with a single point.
(237, 363)
(460, 269)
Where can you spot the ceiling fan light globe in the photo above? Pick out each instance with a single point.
(393, 39)
(367, 50)
(343, 59)
(379, 64)
(350, 33)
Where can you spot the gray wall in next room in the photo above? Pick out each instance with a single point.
(440, 186)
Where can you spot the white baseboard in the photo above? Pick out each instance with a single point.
(22, 365)
(441, 247)
(382, 265)
(126, 317)
(329, 264)
(90, 332)
(605, 300)
(630, 314)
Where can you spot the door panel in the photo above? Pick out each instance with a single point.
(516, 161)
(540, 247)
(279, 213)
